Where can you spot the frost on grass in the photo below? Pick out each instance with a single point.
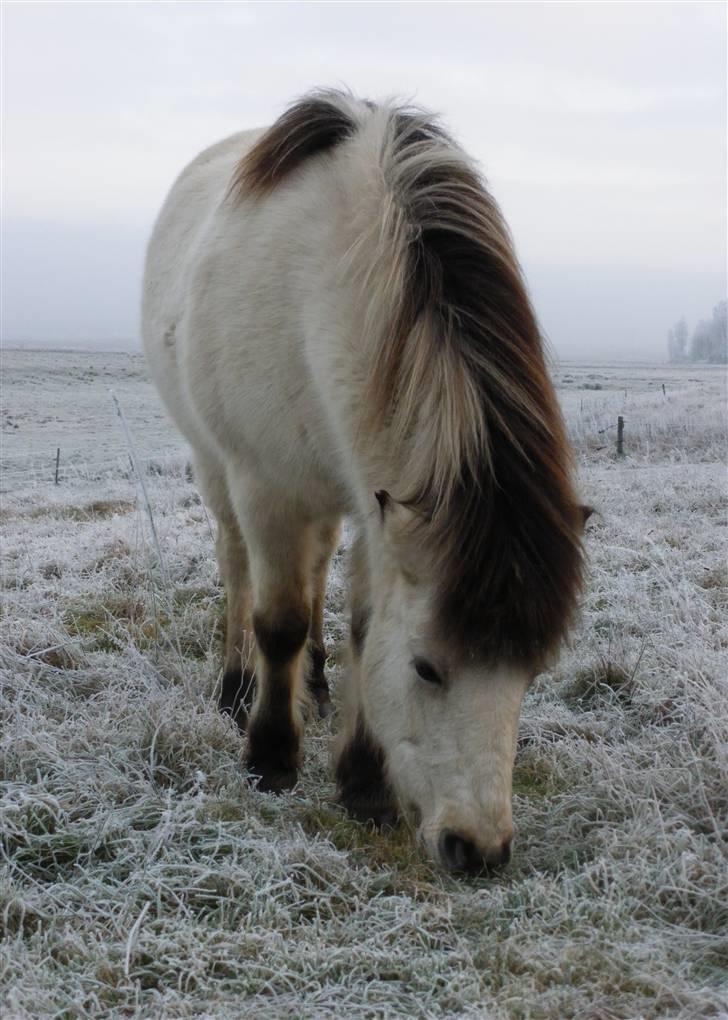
(141, 876)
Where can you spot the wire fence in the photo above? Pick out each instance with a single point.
(80, 441)
(69, 466)
(695, 436)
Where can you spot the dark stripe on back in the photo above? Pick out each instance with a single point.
(313, 125)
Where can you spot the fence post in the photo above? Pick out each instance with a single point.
(620, 436)
(58, 461)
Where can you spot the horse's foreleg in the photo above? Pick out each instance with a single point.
(327, 540)
(280, 620)
(281, 550)
(361, 778)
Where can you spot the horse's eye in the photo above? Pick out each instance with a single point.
(425, 671)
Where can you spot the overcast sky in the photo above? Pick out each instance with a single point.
(601, 129)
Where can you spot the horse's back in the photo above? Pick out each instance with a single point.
(191, 201)
(171, 261)
(226, 292)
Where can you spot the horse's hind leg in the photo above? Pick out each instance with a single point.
(327, 540)
(236, 693)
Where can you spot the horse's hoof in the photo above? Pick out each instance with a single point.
(320, 694)
(318, 689)
(374, 810)
(272, 780)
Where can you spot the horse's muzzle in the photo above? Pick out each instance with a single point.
(461, 855)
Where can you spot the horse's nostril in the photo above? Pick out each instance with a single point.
(458, 853)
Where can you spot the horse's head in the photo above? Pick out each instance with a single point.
(445, 717)
(443, 711)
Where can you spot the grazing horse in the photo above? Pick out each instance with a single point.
(336, 320)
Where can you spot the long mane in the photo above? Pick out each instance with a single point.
(458, 378)
(463, 377)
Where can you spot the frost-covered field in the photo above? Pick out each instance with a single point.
(140, 875)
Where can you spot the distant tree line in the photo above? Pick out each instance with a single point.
(709, 341)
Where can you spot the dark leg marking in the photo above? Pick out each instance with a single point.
(362, 785)
(273, 736)
(359, 627)
(273, 747)
(281, 637)
(236, 695)
(317, 682)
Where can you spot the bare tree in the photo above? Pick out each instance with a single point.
(677, 341)
(710, 337)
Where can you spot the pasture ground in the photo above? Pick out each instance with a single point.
(140, 876)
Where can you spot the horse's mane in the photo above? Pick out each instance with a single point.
(458, 378)
(313, 125)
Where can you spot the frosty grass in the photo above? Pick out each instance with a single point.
(140, 876)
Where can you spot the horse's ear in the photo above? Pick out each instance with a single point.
(586, 512)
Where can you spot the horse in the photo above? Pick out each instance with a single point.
(336, 320)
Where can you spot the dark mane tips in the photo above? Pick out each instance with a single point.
(316, 123)
(511, 562)
(505, 526)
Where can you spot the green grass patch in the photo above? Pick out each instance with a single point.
(532, 779)
(603, 683)
(98, 509)
(105, 625)
(110, 622)
(394, 851)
